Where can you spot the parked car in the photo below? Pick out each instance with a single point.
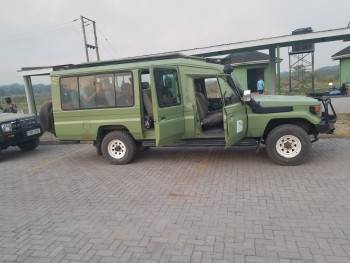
(176, 100)
(20, 130)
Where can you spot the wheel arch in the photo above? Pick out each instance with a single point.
(303, 123)
(105, 129)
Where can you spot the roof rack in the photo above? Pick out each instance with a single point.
(113, 62)
(126, 60)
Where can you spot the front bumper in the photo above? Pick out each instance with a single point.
(20, 136)
(325, 127)
(329, 116)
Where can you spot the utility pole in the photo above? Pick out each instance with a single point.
(84, 21)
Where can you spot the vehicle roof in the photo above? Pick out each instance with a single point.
(136, 62)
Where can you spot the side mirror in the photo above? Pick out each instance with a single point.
(247, 96)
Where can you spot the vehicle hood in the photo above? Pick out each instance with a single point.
(278, 100)
(4, 117)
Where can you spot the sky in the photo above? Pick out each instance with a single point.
(41, 32)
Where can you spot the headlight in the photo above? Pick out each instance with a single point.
(6, 127)
(316, 110)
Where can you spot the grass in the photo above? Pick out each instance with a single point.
(342, 127)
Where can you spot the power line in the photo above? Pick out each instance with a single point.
(115, 53)
(31, 36)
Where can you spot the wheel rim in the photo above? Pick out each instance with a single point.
(116, 149)
(288, 146)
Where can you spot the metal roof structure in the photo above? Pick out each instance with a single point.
(246, 58)
(345, 53)
(342, 34)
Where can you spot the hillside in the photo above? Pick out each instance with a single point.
(16, 89)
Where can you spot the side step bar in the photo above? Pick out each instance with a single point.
(205, 143)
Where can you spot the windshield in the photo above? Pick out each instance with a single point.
(233, 84)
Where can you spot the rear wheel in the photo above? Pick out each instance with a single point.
(288, 145)
(118, 147)
(29, 145)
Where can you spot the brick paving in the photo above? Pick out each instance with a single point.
(65, 204)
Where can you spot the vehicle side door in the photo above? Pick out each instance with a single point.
(234, 112)
(168, 107)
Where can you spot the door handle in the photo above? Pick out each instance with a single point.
(162, 118)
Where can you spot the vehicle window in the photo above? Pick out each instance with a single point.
(212, 88)
(87, 92)
(230, 97)
(124, 89)
(69, 93)
(145, 78)
(167, 87)
(105, 93)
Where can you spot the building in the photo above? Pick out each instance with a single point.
(249, 66)
(344, 58)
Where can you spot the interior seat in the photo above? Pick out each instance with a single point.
(207, 118)
(147, 98)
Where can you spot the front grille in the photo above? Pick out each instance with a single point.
(28, 123)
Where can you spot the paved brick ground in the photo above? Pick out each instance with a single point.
(174, 206)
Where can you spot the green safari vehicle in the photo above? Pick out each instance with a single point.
(174, 100)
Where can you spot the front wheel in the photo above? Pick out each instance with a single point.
(288, 144)
(29, 145)
(118, 147)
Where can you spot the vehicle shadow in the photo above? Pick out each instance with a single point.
(14, 153)
(174, 155)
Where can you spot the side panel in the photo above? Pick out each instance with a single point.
(68, 124)
(84, 124)
(258, 122)
(168, 120)
(128, 117)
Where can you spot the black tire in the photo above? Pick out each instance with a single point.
(29, 145)
(295, 131)
(127, 149)
(46, 117)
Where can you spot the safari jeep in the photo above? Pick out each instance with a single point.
(20, 130)
(174, 100)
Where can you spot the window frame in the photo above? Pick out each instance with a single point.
(178, 86)
(95, 74)
(60, 86)
(237, 98)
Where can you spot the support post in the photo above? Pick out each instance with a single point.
(30, 95)
(313, 72)
(84, 36)
(96, 45)
(279, 70)
(272, 53)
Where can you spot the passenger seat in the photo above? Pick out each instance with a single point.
(207, 118)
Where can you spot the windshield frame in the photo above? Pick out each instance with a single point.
(230, 81)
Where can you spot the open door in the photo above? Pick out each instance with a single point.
(235, 115)
(168, 108)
